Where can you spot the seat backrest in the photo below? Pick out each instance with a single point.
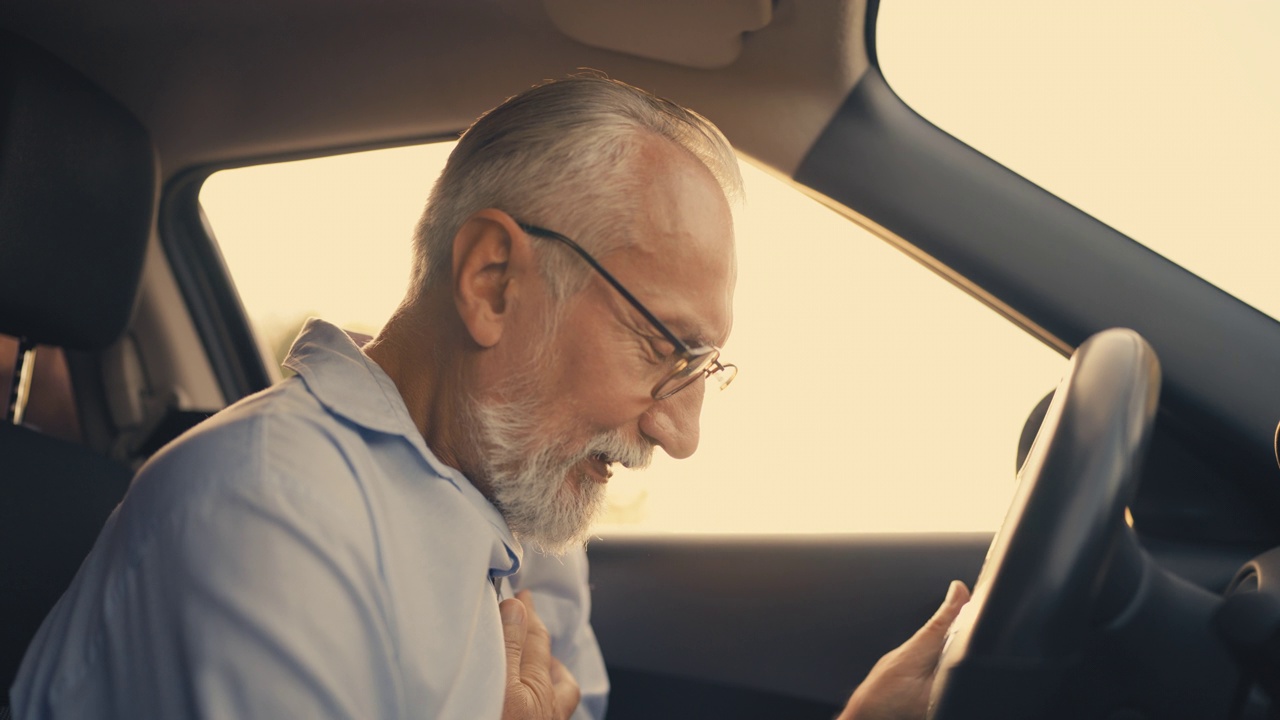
(55, 498)
(77, 205)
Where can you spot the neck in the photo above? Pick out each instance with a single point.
(421, 358)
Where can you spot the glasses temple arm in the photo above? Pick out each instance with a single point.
(680, 346)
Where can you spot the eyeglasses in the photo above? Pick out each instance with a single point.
(692, 364)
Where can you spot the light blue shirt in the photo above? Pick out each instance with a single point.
(302, 554)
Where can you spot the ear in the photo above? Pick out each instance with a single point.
(491, 259)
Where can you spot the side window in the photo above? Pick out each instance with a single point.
(873, 395)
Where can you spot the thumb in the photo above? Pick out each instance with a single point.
(514, 630)
(923, 648)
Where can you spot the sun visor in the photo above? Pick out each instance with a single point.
(704, 34)
(77, 199)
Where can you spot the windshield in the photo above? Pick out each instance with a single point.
(1157, 118)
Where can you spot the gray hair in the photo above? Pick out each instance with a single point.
(561, 153)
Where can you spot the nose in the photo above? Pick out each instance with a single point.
(673, 422)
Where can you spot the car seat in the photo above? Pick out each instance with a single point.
(77, 206)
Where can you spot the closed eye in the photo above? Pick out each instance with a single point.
(657, 350)
(661, 346)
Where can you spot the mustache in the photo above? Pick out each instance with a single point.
(616, 447)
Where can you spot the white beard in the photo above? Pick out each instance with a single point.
(528, 471)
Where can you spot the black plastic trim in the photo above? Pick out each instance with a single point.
(869, 33)
(638, 695)
(1060, 269)
(676, 605)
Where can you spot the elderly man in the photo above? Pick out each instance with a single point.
(352, 542)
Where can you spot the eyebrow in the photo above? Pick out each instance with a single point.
(697, 341)
(689, 336)
(692, 339)
(665, 329)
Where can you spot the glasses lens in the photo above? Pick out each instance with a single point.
(702, 360)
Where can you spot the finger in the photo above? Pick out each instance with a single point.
(536, 660)
(920, 653)
(567, 692)
(957, 596)
(514, 631)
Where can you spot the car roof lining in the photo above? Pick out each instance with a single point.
(343, 75)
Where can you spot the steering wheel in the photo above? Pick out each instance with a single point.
(1063, 557)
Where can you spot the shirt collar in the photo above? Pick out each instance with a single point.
(351, 385)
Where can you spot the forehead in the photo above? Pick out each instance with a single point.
(681, 262)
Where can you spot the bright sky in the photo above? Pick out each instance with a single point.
(873, 396)
(1158, 117)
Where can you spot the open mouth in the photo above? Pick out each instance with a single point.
(600, 466)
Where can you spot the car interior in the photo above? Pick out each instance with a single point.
(1137, 574)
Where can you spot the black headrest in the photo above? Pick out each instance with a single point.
(77, 200)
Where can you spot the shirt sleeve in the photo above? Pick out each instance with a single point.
(278, 587)
(562, 596)
(230, 587)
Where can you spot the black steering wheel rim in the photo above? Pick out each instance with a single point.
(1043, 583)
